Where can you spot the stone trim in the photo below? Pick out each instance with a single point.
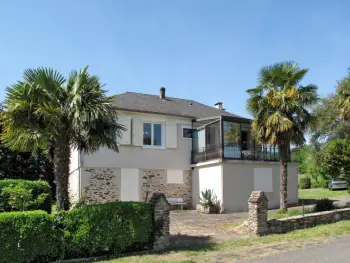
(155, 181)
(103, 185)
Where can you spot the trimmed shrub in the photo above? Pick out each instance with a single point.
(29, 237)
(109, 228)
(324, 204)
(20, 195)
(305, 183)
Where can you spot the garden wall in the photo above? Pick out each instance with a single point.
(258, 224)
(284, 225)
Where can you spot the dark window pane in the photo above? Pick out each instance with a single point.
(187, 133)
(157, 134)
(147, 134)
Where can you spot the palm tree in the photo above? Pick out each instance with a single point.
(280, 107)
(343, 92)
(46, 112)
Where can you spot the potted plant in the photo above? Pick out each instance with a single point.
(207, 202)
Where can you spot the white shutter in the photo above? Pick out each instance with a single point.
(175, 177)
(126, 135)
(170, 134)
(137, 132)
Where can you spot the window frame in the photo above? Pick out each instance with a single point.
(162, 126)
(182, 131)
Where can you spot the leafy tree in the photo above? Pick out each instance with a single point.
(343, 92)
(45, 111)
(280, 107)
(330, 125)
(336, 158)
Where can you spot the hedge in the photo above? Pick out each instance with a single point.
(34, 188)
(109, 228)
(92, 230)
(305, 183)
(29, 237)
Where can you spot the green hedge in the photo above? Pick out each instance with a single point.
(109, 228)
(33, 188)
(92, 230)
(29, 237)
(305, 183)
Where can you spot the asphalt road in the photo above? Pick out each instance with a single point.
(335, 251)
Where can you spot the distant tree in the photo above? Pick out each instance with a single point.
(343, 92)
(330, 125)
(45, 111)
(280, 109)
(336, 158)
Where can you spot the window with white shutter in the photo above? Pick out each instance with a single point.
(175, 177)
(126, 135)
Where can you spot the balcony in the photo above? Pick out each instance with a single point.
(228, 138)
(235, 152)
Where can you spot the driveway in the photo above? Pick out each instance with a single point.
(216, 227)
(335, 251)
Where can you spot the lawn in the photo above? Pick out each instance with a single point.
(318, 193)
(244, 248)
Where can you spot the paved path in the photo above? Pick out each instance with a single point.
(192, 223)
(335, 251)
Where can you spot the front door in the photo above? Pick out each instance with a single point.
(130, 185)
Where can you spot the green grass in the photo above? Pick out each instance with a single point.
(318, 193)
(277, 214)
(243, 247)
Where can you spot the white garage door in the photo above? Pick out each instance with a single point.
(130, 185)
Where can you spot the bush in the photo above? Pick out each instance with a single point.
(324, 204)
(109, 228)
(19, 195)
(208, 198)
(305, 183)
(29, 237)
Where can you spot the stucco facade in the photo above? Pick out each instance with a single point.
(233, 182)
(138, 171)
(98, 177)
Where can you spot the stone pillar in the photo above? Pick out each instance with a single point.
(257, 213)
(161, 221)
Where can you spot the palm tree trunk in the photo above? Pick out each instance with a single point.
(283, 150)
(61, 163)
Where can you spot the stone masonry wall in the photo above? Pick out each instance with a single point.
(284, 225)
(103, 185)
(155, 181)
(258, 224)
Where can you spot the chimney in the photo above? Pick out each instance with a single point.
(218, 105)
(162, 93)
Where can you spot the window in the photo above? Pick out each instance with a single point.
(263, 179)
(187, 132)
(153, 134)
(175, 177)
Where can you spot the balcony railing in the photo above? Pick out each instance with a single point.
(235, 152)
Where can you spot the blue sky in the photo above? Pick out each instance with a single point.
(208, 51)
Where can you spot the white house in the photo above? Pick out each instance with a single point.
(179, 147)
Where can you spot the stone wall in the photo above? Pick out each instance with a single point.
(257, 213)
(161, 221)
(258, 223)
(155, 181)
(102, 185)
(284, 225)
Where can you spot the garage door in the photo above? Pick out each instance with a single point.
(130, 185)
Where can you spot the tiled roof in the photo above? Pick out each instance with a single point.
(139, 102)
